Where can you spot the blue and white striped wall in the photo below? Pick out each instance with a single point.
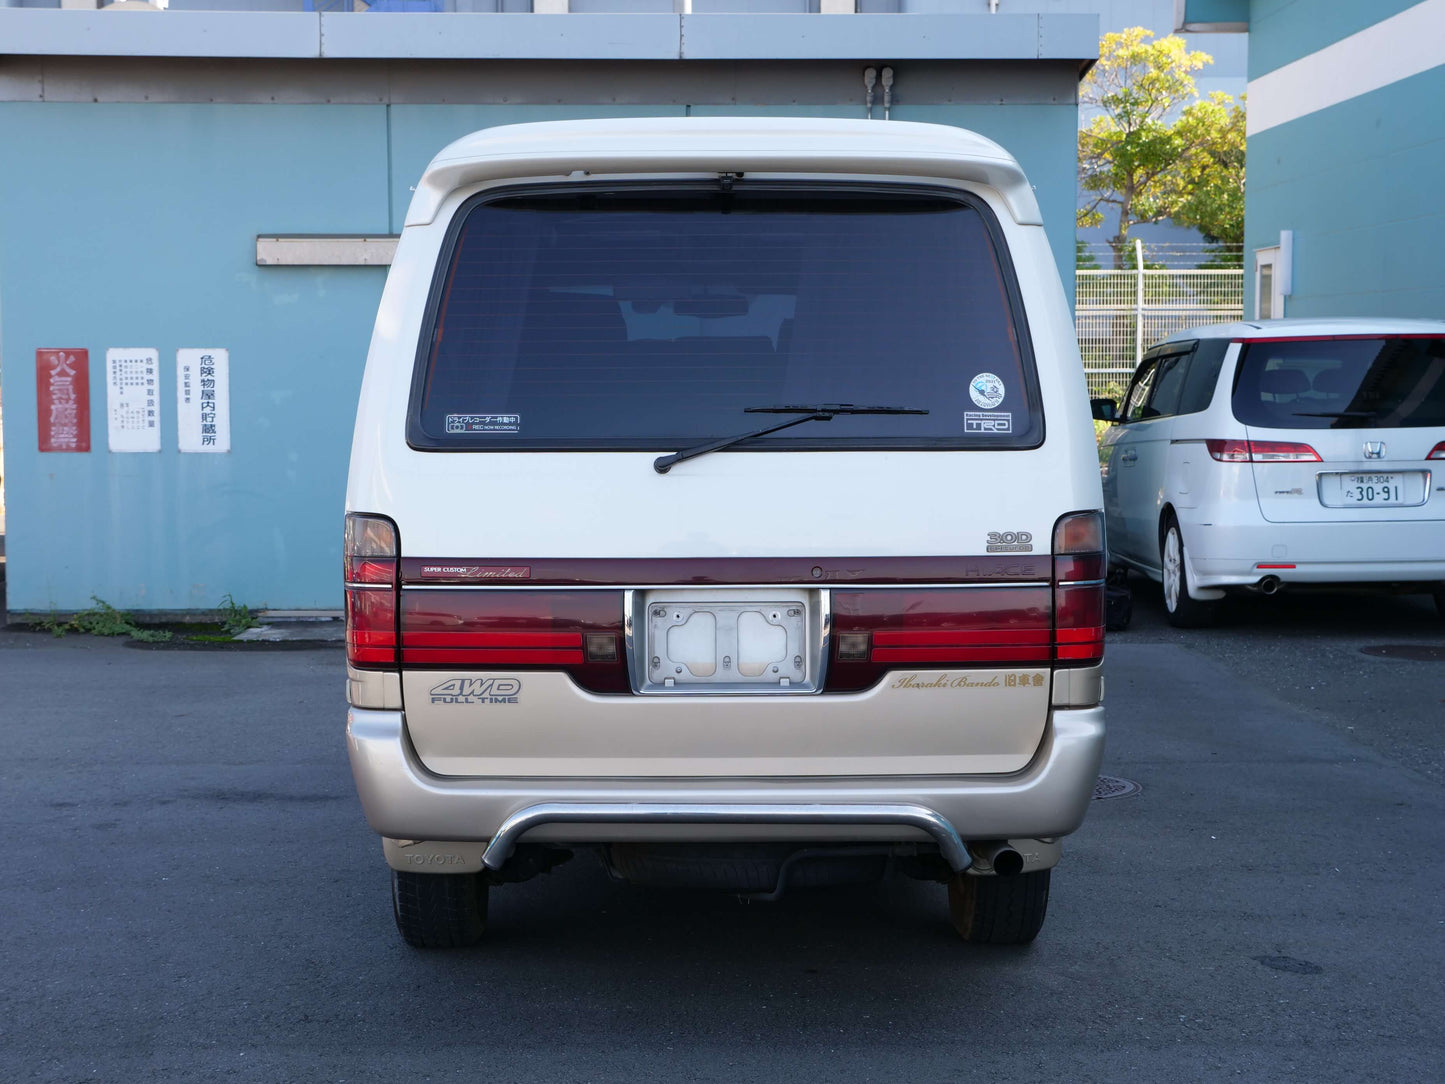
(1346, 149)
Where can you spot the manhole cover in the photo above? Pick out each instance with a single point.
(1413, 652)
(1109, 786)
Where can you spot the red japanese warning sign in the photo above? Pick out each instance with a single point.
(62, 399)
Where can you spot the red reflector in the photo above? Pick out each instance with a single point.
(915, 655)
(494, 640)
(1080, 636)
(956, 638)
(1079, 623)
(1274, 566)
(484, 659)
(371, 626)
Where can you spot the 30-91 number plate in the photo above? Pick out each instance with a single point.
(1372, 490)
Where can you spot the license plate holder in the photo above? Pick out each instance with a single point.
(716, 642)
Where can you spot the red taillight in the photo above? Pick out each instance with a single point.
(881, 630)
(1437, 452)
(1079, 589)
(1261, 451)
(579, 632)
(369, 558)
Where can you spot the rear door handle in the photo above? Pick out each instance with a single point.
(1128, 457)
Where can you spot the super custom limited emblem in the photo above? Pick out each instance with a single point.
(477, 691)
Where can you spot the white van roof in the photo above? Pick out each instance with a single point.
(1311, 326)
(556, 150)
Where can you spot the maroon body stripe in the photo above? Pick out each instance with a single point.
(722, 571)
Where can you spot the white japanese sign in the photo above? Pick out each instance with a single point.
(132, 377)
(203, 400)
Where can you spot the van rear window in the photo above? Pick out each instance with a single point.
(648, 320)
(1383, 383)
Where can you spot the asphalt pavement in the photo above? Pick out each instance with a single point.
(192, 893)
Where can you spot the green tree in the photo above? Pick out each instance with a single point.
(1155, 150)
(1213, 176)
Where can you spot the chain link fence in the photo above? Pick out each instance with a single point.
(1120, 314)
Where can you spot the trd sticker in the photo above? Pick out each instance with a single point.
(1010, 542)
(477, 691)
(484, 423)
(974, 422)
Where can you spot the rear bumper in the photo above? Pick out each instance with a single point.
(1230, 555)
(1048, 798)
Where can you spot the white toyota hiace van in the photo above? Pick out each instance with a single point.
(724, 501)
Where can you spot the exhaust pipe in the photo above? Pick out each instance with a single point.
(1269, 585)
(1003, 859)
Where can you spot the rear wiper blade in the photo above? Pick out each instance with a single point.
(818, 412)
(1364, 415)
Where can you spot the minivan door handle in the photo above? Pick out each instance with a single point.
(1128, 457)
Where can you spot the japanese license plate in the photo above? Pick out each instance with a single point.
(1372, 490)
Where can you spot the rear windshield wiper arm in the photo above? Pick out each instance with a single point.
(818, 412)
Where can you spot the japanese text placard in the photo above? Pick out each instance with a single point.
(62, 400)
(203, 400)
(132, 380)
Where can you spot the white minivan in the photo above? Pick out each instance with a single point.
(724, 502)
(1281, 454)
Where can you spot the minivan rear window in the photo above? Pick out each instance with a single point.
(1385, 383)
(651, 319)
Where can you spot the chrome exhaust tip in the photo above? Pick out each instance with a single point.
(1270, 585)
(999, 856)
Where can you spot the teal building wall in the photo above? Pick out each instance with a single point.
(1345, 149)
(134, 224)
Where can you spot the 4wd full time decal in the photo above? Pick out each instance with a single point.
(477, 691)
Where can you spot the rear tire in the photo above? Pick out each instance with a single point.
(1182, 609)
(439, 910)
(999, 910)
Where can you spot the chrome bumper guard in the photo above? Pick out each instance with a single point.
(950, 845)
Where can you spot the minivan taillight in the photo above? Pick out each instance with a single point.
(1261, 451)
(1437, 452)
(370, 560)
(1079, 589)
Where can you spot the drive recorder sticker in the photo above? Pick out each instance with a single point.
(484, 423)
(975, 422)
(986, 390)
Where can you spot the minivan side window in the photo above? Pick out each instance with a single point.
(640, 317)
(1203, 376)
(1138, 396)
(1168, 384)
